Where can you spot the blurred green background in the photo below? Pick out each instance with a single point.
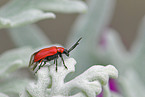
(126, 20)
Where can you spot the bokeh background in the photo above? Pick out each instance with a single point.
(126, 20)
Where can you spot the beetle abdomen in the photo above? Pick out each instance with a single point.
(49, 58)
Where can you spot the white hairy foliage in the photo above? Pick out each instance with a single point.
(51, 83)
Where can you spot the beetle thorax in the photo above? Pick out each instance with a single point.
(60, 49)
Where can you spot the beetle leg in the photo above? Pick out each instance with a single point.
(40, 65)
(31, 60)
(63, 61)
(35, 65)
(54, 61)
(56, 64)
(44, 63)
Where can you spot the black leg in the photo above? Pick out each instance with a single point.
(35, 65)
(56, 64)
(44, 63)
(54, 61)
(63, 61)
(41, 65)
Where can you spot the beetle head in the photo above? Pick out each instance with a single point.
(66, 52)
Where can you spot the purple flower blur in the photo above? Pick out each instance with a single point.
(101, 94)
(113, 85)
(103, 42)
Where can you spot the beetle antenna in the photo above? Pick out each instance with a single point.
(74, 45)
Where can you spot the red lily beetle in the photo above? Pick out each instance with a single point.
(48, 54)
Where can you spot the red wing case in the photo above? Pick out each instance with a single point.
(43, 53)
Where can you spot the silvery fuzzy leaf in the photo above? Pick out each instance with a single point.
(131, 85)
(20, 12)
(77, 95)
(115, 51)
(29, 35)
(90, 27)
(106, 91)
(3, 95)
(14, 59)
(13, 86)
(26, 17)
(51, 83)
(137, 51)
(63, 6)
(138, 45)
(116, 94)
